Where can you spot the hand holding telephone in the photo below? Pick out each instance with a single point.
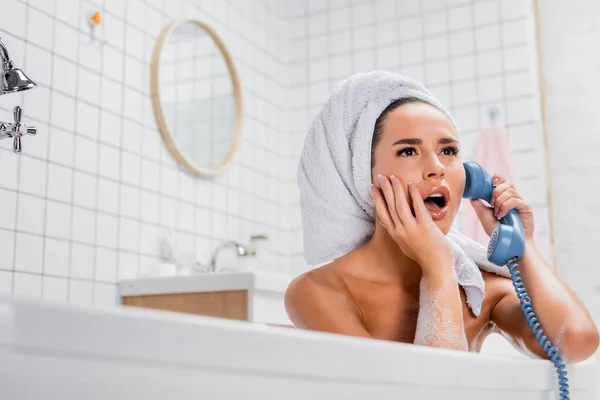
(507, 244)
(508, 239)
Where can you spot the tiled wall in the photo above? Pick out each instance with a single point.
(474, 55)
(84, 204)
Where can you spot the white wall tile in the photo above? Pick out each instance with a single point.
(63, 109)
(62, 146)
(487, 37)
(62, 67)
(39, 64)
(108, 196)
(58, 220)
(489, 62)
(89, 86)
(486, 12)
(105, 294)
(55, 289)
(109, 163)
(30, 214)
(412, 28)
(462, 67)
(29, 253)
(27, 285)
(8, 162)
(82, 261)
(56, 257)
(40, 26)
(461, 43)
(66, 41)
(84, 226)
(17, 24)
(106, 265)
(434, 23)
(84, 189)
(460, 17)
(32, 176)
(8, 199)
(491, 88)
(60, 183)
(409, 7)
(7, 249)
(128, 265)
(6, 283)
(86, 155)
(514, 32)
(81, 292)
(128, 235)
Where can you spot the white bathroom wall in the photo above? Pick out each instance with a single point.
(475, 55)
(569, 30)
(84, 203)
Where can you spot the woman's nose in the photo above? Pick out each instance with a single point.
(434, 168)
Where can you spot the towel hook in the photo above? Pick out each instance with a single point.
(493, 114)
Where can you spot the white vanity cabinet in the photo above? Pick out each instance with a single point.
(247, 296)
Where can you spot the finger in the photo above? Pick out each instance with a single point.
(498, 179)
(421, 212)
(390, 198)
(512, 203)
(485, 215)
(382, 210)
(499, 190)
(402, 206)
(507, 194)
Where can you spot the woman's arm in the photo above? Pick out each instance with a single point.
(565, 320)
(439, 323)
(440, 319)
(315, 305)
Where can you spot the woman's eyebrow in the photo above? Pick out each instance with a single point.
(415, 141)
(447, 140)
(408, 141)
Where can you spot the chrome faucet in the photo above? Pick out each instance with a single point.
(14, 80)
(212, 267)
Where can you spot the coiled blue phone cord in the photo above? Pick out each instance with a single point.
(535, 326)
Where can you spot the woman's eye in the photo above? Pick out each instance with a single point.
(450, 151)
(407, 152)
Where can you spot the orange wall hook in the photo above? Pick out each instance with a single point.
(96, 18)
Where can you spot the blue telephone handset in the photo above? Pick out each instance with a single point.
(507, 244)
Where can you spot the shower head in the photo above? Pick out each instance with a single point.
(13, 79)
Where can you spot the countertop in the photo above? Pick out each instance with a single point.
(207, 282)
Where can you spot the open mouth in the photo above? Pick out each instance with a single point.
(436, 201)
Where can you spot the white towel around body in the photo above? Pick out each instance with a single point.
(334, 177)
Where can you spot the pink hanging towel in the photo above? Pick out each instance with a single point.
(493, 153)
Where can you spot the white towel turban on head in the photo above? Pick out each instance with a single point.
(334, 176)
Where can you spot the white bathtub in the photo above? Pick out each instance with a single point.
(66, 352)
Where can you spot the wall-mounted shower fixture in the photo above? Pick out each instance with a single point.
(14, 80)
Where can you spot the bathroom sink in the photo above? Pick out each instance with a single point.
(253, 296)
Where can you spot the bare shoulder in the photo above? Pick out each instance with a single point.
(313, 287)
(319, 300)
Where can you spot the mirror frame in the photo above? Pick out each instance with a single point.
(166, 133)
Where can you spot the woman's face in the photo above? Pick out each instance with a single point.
(418, 144)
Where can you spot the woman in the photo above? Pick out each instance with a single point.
(399, 283)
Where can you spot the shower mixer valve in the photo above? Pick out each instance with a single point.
(13, 80)
(16, 129)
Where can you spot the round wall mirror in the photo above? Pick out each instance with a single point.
(196, 96)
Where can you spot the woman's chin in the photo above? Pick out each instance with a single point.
(445, 224)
